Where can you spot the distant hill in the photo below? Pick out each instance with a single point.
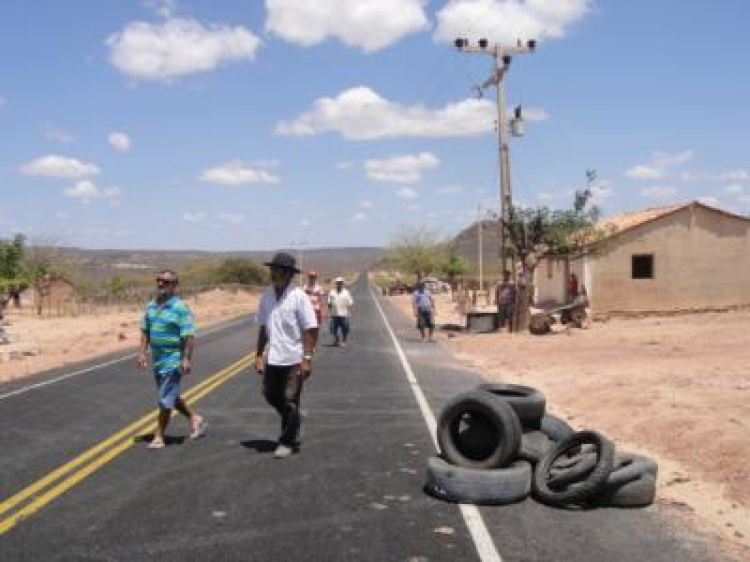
(99, 265)
(467, 246)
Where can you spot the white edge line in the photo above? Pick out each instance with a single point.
(473, 518)
(101, 365)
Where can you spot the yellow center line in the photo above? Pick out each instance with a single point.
(189, 396)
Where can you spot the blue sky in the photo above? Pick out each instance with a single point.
(259, 124)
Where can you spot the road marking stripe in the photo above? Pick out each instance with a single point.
(67, 483)
(86, 455)
(473, 518)
(101, 365)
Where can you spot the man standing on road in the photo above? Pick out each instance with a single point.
(340, 303)
(289, 329)
(505, 297)
(424, 310)
(315, 292)
(167, 328)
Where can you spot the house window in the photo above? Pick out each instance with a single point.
(642, 266)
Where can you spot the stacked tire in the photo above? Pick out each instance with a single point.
(498, 446)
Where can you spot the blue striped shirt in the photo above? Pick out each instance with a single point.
(166, 325)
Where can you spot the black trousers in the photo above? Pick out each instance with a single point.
(282, 387)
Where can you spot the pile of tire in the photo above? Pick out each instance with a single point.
(499, 446)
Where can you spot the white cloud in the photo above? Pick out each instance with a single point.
(407, 193)
(364, 204)
(119, 141)
(359, 216)
(733, 188)
(196, 217)
(735, 175)
(177, 47)
(87, 191)
(163, 8)
(405, 168)
(58, 135)
(231, 218)
(709, 200)
(661, 162)
(642, 172)
(362, 114)
(237, 173)
(304, 223)
(55, 166)
(659, 192)
(506, 21)
(367, 25)
(531, 113)
(345, 165)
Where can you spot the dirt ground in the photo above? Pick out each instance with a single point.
(676, 388)
(38, 344)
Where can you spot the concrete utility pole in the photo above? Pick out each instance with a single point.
(479, 236)
(503, 56)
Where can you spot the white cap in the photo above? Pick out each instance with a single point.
(338, 280)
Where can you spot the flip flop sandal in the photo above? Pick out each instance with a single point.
(200, 430)
(156, 445)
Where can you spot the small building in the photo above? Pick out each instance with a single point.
(682, 257)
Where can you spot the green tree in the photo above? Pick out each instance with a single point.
(242, 271)
(416, 251)
(535, 232)
(453, 266)
(13, 277)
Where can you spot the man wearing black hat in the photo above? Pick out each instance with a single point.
(286, 342)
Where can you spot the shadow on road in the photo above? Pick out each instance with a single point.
(260, 445)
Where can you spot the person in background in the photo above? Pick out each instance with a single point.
(340, 304)
(315, 292)
(167, 328)
(424, 310)
(286, 341)
(573, 286)
(505, 297)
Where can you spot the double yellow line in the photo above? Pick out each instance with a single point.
(69, 474)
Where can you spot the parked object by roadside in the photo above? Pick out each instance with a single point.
(499, 445)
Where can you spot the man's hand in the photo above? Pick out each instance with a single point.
(142, 360)
(259, 364)
(186, 365)
(305, 369)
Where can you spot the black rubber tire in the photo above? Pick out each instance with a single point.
(528, 403)
(555, 428)
(582, 490)
(500, 486)
(640, 492)
(563, 474)
(539, 324)
(534, 445)
(629, 467)
(496, 442)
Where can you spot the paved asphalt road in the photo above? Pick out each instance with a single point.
(353, 493)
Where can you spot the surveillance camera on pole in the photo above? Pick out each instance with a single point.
(503, 55)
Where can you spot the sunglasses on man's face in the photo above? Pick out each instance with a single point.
(162, 281)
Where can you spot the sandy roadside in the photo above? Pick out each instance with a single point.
(47, 343)
(676, 388)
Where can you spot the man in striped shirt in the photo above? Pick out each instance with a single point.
(167, 328)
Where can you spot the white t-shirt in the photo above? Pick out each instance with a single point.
(340, 303)
(285, 320)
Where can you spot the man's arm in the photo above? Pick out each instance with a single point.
(260, 347)
(187, 345)
(143, 350)
(309, 341)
